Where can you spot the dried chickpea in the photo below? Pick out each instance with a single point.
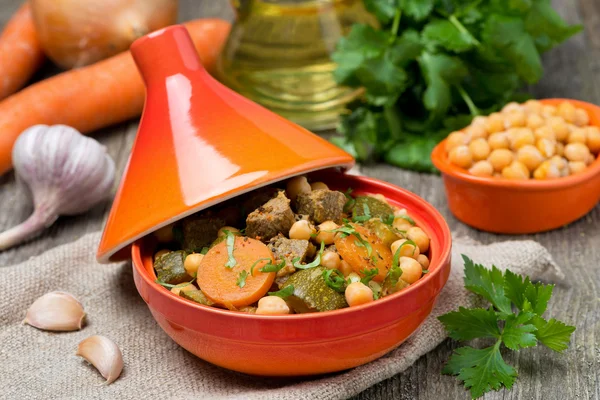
(223, 231)
(272, 305)
(164, 234)
(423, 260)
(301, 230)
(533, 107)
(295, 186)
(330, 260)
(548, 111)
(520, 137)
(546, 147)
(567, 111)
(530, 156)
(461, 156)
(495, 123)
(186, 288)
(160, 253)
(576, 152)
(480, 149)
(482, 168)
(516, 170)
(411, 270)
(324, 234)
(581, 117)
(498, 140)
(561, 164)
(358, 293)
(559, 127)
(534, 121)
(578, 136)
(406, 250)
(479, 120)
(345, 268)
(418, 236)
(559, 149)
(476, 132)
(593, 138)
(546, 170)
(192, 263)
(400, 211)
(318, 186)
(512, 106)
(590, 159)
(456, 139)
(576, 167)
(500, 159)
(544, 132)
(515, 119)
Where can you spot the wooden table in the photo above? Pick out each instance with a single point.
(572, 70)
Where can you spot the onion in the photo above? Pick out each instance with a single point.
(75, 33)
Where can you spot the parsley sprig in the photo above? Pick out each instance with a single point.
(347, 230)
(513, 320)
(315, 263)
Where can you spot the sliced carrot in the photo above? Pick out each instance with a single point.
(362, 256)
(20, 51)
(220, 283)
(95, 96)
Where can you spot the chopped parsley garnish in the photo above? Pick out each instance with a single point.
(241, 280)
(368, 275)
(347, 230)
(171, 286)
(283, 293)
(350, 201)
(316, 262)
(388, 219)
(425, 271)
(270, 267)
(335, 280)
(366, 214)
(204, 250)
(230, 242)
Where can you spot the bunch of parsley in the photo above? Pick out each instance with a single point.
(433, 66)
(513, 320)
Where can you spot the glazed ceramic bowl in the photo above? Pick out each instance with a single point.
(304, 344)
(519, 207)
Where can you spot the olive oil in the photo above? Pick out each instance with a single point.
(279, 55)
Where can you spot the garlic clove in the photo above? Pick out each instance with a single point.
(56, 311)
(103, 354)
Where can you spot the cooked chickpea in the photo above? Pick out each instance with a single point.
(494, 123)
(186, 288)
(515, 119)
(223, 231)
(533, 106)
(576, 167)
(330, 260)
(358, 293)
(418, 236)
(512, 106)
(295, 186)
(272, 305)
(345, 268)
(582, 118)
(546, 147)
(318, 186)
(164, 234)
(546, 170)
(516, 170)
(423, 260)
(406, 250)
(324, 234)
(548, 111)
(411, 269)
(353, 277)
(482, 168)
(576, 152)
(401, 224)
(476, 131)
(520, 137)
(534, 121)
(559, 149)
(578, 136)
(500, 159)
(456, 139)
(160, 253)
(530, 156)
(461, 156)
(593, 138)
(400, 211)
(544, 132)
(498, 140)
(567, 111)
(192, 263)
(480, 149)
(301, 230)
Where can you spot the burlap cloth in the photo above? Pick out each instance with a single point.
(43, 365)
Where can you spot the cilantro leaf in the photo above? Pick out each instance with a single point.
(486, 283)
(241, 280)
(467, 324)
(518, 332)
(335, 280)
(230, 243)
(384, 10)
(315, 263)
(518, 291)
(440, 72)
(385, 80)
(481, 370)
(270, 267)
(368, 275)
(547, 27)
(444, 33)
(283, 293)
(417, 9)
(553, 334)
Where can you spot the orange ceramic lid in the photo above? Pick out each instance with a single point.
(198, 144)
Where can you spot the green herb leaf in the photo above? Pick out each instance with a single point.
(388, 219)
(241, 280)
(441, 72)
(171, 286)
(257, 261)
(204, 250)
(347, 230)
(519, 291)
(467, 324)
(335, 280)
(407, 218)
(283, 293)
(368, 274)
(315, 263)
(517, 331)
(384, 10)
(486, 283)
(349, 200)
(553, 334)
(445, 34)
(366, 214)
(230, 243)
(417, 9)
(270, 267)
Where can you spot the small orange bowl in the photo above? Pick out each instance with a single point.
(304, 344)
(518, 207)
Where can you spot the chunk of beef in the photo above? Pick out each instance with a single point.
(169, 268)
(322, 205)
(270, 219)
(199, 231)
(289, 249)
(257, 198)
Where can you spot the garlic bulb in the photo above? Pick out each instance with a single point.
(66, 173)
(103, 354)
(75, 33)
(56, 311)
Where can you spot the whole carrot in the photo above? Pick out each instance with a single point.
(20, 52)
(95, 96)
